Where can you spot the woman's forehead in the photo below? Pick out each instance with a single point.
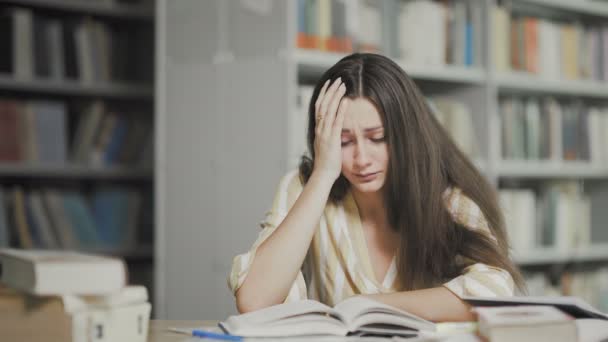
(361, 114)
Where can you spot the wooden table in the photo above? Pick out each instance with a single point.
(588, 329)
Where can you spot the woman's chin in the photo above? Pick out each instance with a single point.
(369, 187)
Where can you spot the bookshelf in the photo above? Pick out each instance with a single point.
(88, 93)
(72, 88)
(228, 73)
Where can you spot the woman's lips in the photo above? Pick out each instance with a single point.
(367, 176)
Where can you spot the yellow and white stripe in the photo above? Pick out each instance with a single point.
(338, 260)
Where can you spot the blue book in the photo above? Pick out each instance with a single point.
(50, 131)
(31, 223)
(302, 16)
(468, 50)
(110, 215)
(117, 138)
(80, 216)
(4, 231)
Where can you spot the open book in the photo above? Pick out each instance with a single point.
(353, 316)
(573, 306)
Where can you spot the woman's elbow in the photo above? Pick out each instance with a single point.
(248, 303)
(242, 305)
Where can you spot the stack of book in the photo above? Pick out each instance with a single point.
(547, 129)
(550, 49)
(36, 132)
(66, 296)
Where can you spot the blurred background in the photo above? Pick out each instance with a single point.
(157, 131)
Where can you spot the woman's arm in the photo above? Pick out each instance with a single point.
(435, 304)
(279, 258)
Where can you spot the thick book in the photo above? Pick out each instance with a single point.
(525, 323)
(354, 316)
(46, 272)
(573, 306)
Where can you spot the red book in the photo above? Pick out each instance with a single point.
(9, 131)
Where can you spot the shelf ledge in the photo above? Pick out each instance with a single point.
(97, 8)
(76, 88)
(593, 8)
(597, 252)
(523, 82)
(72, 171)
(551, 169)
(314, 63)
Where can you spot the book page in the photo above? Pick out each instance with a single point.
(279, 318)
(360, 311)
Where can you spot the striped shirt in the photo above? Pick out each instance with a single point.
(338, 266)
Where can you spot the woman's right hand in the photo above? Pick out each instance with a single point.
(329, 115)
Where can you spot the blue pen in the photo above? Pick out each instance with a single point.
(215, 336)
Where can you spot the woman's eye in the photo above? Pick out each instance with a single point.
(346, 142)
(377, 140)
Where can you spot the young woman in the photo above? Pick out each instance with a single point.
(387, 207)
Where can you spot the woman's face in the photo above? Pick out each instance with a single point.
(364, 148)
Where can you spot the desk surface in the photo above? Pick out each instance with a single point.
(158, 332)
(588, 329)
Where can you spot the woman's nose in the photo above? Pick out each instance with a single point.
(362, 155)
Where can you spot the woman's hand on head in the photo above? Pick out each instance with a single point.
(329, 115)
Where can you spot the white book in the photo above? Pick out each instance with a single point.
(604, 130)
(45, 272)
(128, 323)
(549, 50)
(524, 220)
(501, 33)
(422, 16)
(355, 315)
(555, 129)
(56, 49)
(525, 323)
(24, 43)
(45, 230)
(370, 29)
(533, 127)
(84, 53)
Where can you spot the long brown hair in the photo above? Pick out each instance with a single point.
(423, 162)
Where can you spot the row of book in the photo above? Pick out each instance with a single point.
(339, 25)
(590, 285)
(452, 32)
(548, 48)
(37, 132)
(36, 45)
(544, 128)
(457, 118)
(558, 216)
(109, 217)
(72, 297)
